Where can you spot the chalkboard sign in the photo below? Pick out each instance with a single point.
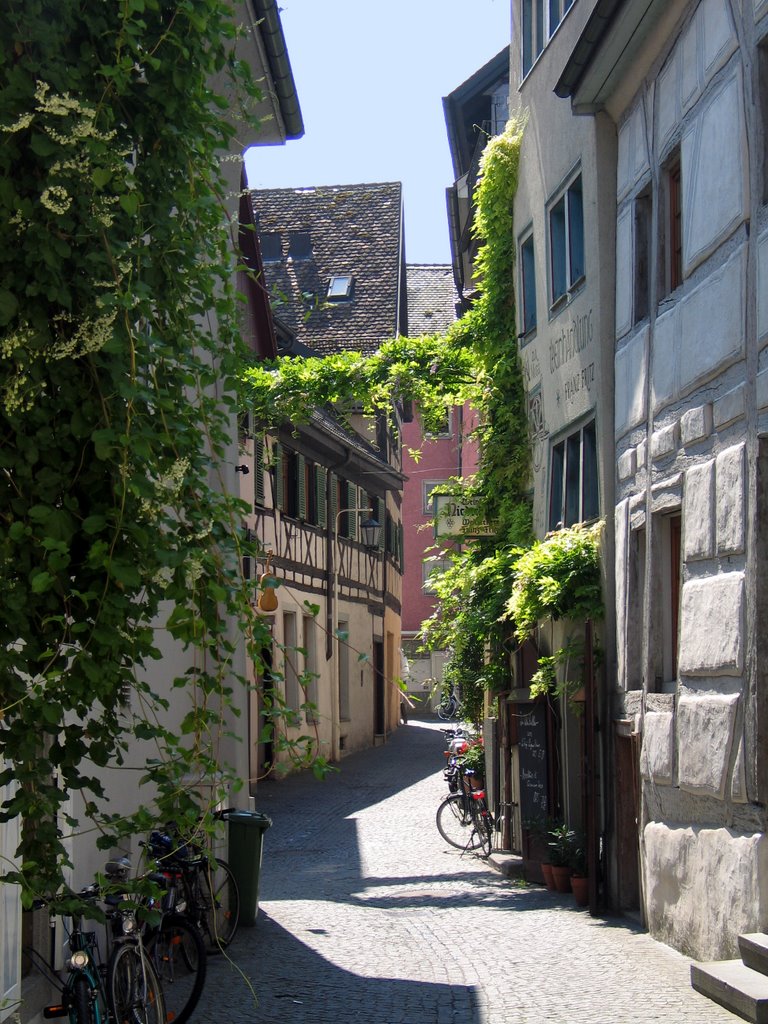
(532, 749)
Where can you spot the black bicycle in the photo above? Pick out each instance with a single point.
(125, 990)
(174, 944)
(464, 819)
(204, 885)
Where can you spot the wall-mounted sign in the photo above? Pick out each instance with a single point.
(454, 518)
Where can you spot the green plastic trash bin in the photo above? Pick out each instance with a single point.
(246, 841)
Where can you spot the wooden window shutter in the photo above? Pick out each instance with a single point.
(334, 500)
(352, 516)
(320, 502)
(277, 455)
(401, 547)
(301, 486)
(259, 450)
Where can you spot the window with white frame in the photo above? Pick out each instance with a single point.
(528, 284)
(539, 20)
(310, 666)
(566, 241)
(573, 490)
(431, 568)
(445, 428)
(342, 647)
(340, 288)
(290, 656)
(428, 501)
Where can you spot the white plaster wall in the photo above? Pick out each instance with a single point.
(630, 383)
(684, 868)
(667, 100)
(712, 324)
(665, 358)
(715, 192)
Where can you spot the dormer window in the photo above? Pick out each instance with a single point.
(299, 245)
(271, 247)
(340, 288)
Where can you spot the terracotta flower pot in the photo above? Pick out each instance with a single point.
(549, 879)
(580, 887)
(562, 877)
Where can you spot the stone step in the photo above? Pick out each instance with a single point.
(735, 986)
(754, 951)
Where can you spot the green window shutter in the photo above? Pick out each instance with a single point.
(277, 455)
(334, 500)
(401, 547)
(258, 470)
(352, 516)
(321, 505)
(301, 486)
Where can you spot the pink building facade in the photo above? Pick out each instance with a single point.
(451, 453)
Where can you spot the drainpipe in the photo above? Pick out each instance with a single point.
(590, 724)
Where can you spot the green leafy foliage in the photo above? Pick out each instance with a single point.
(119, 342)
(558, 577)
(426, 370)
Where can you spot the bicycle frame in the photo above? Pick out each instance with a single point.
(84, 962)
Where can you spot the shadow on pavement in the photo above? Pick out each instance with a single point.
(296, 983)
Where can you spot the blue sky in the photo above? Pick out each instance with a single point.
(370, 79)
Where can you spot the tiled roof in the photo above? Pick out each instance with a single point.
(432, 298)
(354, 230)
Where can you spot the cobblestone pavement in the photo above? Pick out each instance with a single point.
(366, 916)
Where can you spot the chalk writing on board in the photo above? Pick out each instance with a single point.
(532, 749)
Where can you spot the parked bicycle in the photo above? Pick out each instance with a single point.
(449, 707)
(174, 943)
(125, 990)
(463, 818)
(204, 885)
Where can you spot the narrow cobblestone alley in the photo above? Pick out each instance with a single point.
(367, 916)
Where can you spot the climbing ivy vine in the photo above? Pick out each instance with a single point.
(119, 343)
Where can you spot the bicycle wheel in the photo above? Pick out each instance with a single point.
(177, 951)
(133, 988)
(454, 823)
(446, 710)
(221, 901)
(83, 1008)
(482, 824)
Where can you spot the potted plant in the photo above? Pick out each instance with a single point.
(561, 846)
(579, 880)
(473, 760)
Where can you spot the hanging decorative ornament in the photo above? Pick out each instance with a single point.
(267, 597)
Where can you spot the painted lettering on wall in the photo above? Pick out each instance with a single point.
(572, 339)
(531, 369)
(579, 382)
(538, 426)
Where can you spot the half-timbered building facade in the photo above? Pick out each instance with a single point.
(332, 261)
